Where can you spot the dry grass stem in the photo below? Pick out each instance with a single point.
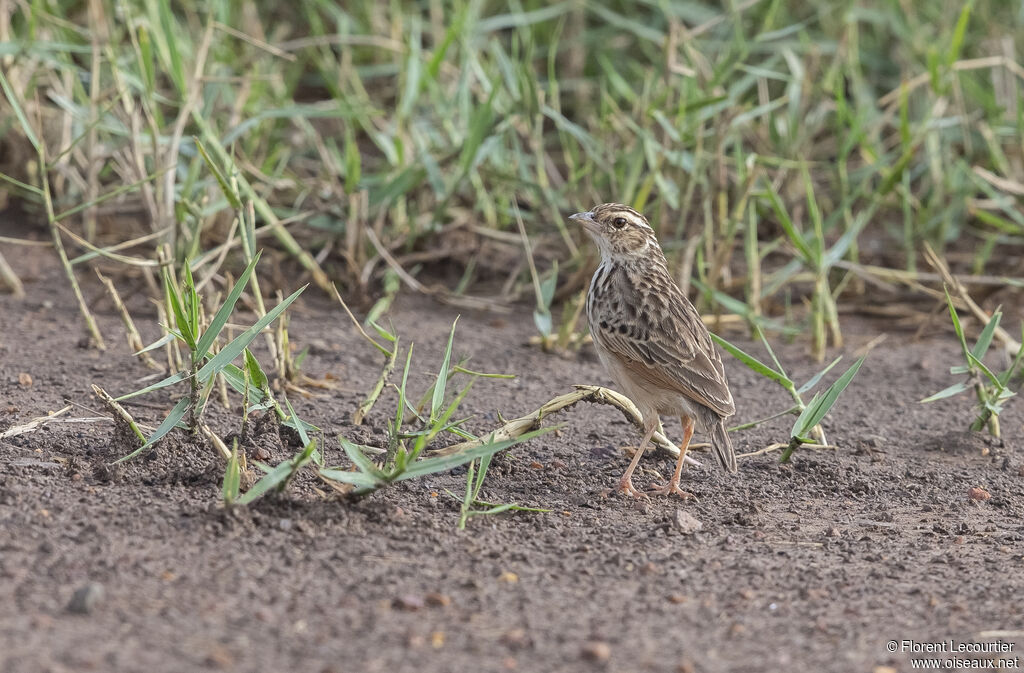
(1009, 343)
(120, 411)
(134, 339)
(779, 446)
(33, 425)
(10, 279)
(583, 393)
(378, 387)
(217, 442)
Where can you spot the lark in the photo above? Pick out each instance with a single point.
(652, 341)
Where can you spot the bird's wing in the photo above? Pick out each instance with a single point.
(663, 341)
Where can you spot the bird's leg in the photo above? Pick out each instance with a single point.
(673, 485)
(626, 483)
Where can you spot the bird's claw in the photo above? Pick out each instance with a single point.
(626, 486)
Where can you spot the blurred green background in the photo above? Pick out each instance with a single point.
(783, 150)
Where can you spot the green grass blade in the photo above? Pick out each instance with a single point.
(235, 348)
(359, 459)
(985, 338)
(26, 128)
(182, 314)
(954, 389)
(478, 483)
(279, 476)
(236, 379)
(232, 477)
(957, 41)
(162, 341)
(293, 421)
(222, 181)
(956, 325)
(983, 368)
(360, 480)
(257, 377)
(176, 414)
(169, 381)
(226, 308)
(427, 466)
(817, 377)
(751, 362)
(1005, 377)
(437, 399)
(400, 409)
(823, 403)
(794, 235)
(168, 29)
(299, 427)
(771, 353)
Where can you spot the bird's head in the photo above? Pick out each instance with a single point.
(620, 232)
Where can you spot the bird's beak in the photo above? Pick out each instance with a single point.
(586, 219)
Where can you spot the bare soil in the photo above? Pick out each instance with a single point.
(811, 566)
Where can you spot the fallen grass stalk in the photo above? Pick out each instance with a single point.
(583, 393)
(121, 412)
(783, 445)
(217, 442)
(34, 424)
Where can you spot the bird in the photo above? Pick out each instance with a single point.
(652, 341)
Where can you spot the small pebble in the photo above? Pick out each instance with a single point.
(641, 505)
(978, 494)
(408, 602)
(686, 523)
(438, 600)
(515, 639)
(219, 657)
(597, 651)
(686, 666)
(86, 598)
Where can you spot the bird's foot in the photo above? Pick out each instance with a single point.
(626, 486)
(670, 488)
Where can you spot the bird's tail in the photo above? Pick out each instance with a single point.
(722, 446)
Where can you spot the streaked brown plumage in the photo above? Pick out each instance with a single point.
(651, 339)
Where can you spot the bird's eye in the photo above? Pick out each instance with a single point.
(619, 222)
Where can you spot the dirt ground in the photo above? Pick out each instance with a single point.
(812, 566)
